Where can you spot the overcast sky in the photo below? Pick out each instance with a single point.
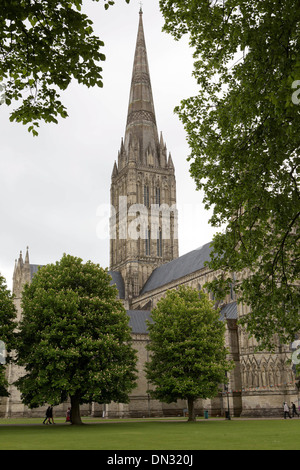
(52, 186)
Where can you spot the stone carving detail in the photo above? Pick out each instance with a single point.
(141, 78)
(141, 116)
(267, 373)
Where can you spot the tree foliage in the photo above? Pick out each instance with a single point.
(7, 332)
(43, 46)
(187, 348)
(243, 130)
(74, 338)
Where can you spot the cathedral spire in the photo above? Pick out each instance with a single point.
(141, 120)
(142, 177)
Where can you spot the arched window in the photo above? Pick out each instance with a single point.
(157, 196)
(148, 242)
(159, 242)
(146, 196)
(232, 286)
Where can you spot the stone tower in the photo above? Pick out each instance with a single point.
(143, 187)
(22, 275)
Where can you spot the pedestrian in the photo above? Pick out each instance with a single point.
(294, 410)
(68, 416)
(286, 410)
(50, 415)
(47, 415)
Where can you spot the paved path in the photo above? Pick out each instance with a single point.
(107, 421)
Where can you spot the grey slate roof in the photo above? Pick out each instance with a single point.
(137, 320)
(182, 266)
(229, 312)
(117, 279)
(34, 269)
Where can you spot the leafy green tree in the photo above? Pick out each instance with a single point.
(7, 333)
(243, 130)
(187, 348)
(43, 45)
(74, 338)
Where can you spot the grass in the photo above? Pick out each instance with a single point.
(152, 435)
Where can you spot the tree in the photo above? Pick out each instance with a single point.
(187, 353)
(243, 130)
(74, 338)
(43, 45)
(7, 333)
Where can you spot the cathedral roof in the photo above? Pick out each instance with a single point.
(117, 279)
(34, 269)
(229, 312)
(180, 267)
(137, 320)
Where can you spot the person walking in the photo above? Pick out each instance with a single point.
(68, 416)
(47, 415)
(294, 410)
(51, 415)
(286, 410)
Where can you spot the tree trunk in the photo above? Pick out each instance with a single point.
(75, 410)
(191, 409)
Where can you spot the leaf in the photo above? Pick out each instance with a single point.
(43, 46)
(243, 130)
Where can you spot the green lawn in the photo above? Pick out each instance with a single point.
(153, 435)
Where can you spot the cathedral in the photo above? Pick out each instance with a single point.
(144, 264)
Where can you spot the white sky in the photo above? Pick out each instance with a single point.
(51, 186)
